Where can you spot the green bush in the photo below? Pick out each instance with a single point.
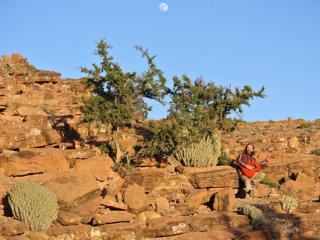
(200, 107)
(197, 109)
(225, 159)
(164, 138)
(270, 183)
(33, 204)
(316, 151)
(122, 168)
(256, 215)
(119, 97)
(304, 125)
(204, 153)
(289, 204)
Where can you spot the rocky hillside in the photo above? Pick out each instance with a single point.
(42, 140)
(276, 136)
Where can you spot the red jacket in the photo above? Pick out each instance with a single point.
(243, 160)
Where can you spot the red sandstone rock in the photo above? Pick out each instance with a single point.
(114, 186)
(31, 161)
(135, 198)
(302, 188)
(167, 226)
(217, 177)
(71, 187)
(83, 212)
(225, 200)
(110, 202)
(107, 217)
(162, 204)
(12, 227)
(261, 191)
(211, 235)
(149, 178)
(200, 196)
(30, 111)
(94, 164)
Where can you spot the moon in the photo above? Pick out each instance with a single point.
(163, 7)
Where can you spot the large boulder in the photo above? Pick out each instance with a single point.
(303, 188)
(200, 196)
(149, 178)
(33, 161)
(225, 200)
(162, 204)
(135, 198)
(83, 212)
(114, 185)
(214, 177)
(71, 187)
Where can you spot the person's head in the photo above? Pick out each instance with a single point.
(249, 149)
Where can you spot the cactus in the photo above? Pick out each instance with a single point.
(33, 204)
(201, 154)
(289, 204)
(256, 215)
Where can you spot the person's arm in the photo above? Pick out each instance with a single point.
(243, 164)
(265, 162)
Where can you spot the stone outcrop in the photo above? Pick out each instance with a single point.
(42, 140)
(214, 177)
(292, 135)
(27, 91)
(33, 161)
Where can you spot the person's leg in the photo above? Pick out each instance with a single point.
(247, 182)
(258, 177)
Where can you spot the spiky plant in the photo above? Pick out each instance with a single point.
(201, 154)
(256, 215)
(33, 204)
(289, 204)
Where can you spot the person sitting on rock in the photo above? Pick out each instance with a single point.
(248, 169)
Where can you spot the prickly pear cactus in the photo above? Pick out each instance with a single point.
(33, 204)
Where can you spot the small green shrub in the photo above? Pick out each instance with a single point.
(123, 168)
(256, 215)
(304, 125)
(48, 110)
(316, 151)
(289, 204)
(290, 150)
(270, 183)
(204, 153)
(225, 159)
(163, 140)
(33, 204)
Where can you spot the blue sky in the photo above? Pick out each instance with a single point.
(275, 43)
